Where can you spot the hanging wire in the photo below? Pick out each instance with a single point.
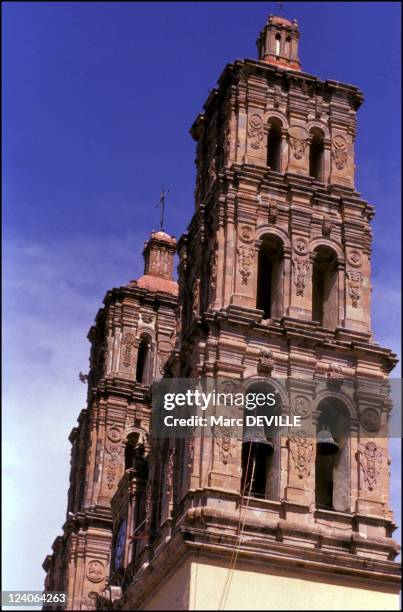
(239, 531)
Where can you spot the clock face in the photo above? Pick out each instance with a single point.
(120, 545)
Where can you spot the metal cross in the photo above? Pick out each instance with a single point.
(161, 203)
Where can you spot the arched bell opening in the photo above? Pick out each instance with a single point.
(269, 294)
(260, 447)
(274, 144)
(325, 287)
(316, 154)
(143, 367)
(332, 464)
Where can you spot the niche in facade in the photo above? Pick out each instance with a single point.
(269, 296)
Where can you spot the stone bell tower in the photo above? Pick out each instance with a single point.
(274, 288)
(133, 334)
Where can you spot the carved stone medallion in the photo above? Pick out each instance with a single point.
(301, 406)
(370, 419)
(354, 259)
(95, 571)
(246, 233)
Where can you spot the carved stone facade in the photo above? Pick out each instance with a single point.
(118, 409)
(180, 505)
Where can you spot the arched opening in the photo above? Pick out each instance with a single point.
(260, 447)
(134, 451)
(278, 45)
(274, 145)
(287, 47)
(332, 465)
(324, 287)
(269, 296)
(144, 360)
(316, 153)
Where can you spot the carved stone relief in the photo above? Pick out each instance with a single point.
(327, 226)
(339, 151)
(213, 267)
(255, 131)
(225, 441)
(266, 362)
(301, 406)
(114, 434)
(147, 317)
(354, 278)
(246, 233)
(370, 458)
(190, 448)
(301, 450)
(196, 297)
(113, 451)
(300, 246)
(170, 470)
(128, 343)
(246, 256)
(298, 137)
(301, 273)
(370, 419)
(354, 259)
(95, 571)
(272, 211)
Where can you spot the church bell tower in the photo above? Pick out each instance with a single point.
(274, 296)
(274, 293)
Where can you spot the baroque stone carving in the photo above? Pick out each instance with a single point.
(354, 259)
(196, 297)
(301, 450)
(148, 508)
(266, 362)
(213, 267)
(227, 142)
(339, 151)
(212, 170)
(225, 441)
(113, 450)
(147, 317)
(301, 272)
(190, 448)
(95, 571)
(370, 458)
(327, 226)
(335, 376)
(128, 342)
(114, 434)
(272, 211)
(300, 246)
(246, 233)
(170, 470)
(354, 278)
(246, 257)
(301, 406)
(255, 131)
(370, 419)
(298, 137)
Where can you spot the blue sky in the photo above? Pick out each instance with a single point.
(98, 99)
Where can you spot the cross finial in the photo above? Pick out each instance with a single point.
(280, 7)
(163, 195)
